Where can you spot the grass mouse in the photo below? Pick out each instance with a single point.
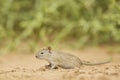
(63, 60)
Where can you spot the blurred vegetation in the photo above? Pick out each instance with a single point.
(75, 22)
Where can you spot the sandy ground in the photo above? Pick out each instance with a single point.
(27, 67)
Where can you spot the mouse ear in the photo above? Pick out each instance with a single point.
(49, 48)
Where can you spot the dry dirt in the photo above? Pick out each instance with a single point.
(27, 67)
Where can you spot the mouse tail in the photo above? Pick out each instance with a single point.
(92, 64)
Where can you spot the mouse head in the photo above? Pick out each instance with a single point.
(44, 53)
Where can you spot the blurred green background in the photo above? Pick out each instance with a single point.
(74, 23)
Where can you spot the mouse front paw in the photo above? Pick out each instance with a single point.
(54, 67)
(48, 66)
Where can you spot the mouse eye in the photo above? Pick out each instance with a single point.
(41, 52)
